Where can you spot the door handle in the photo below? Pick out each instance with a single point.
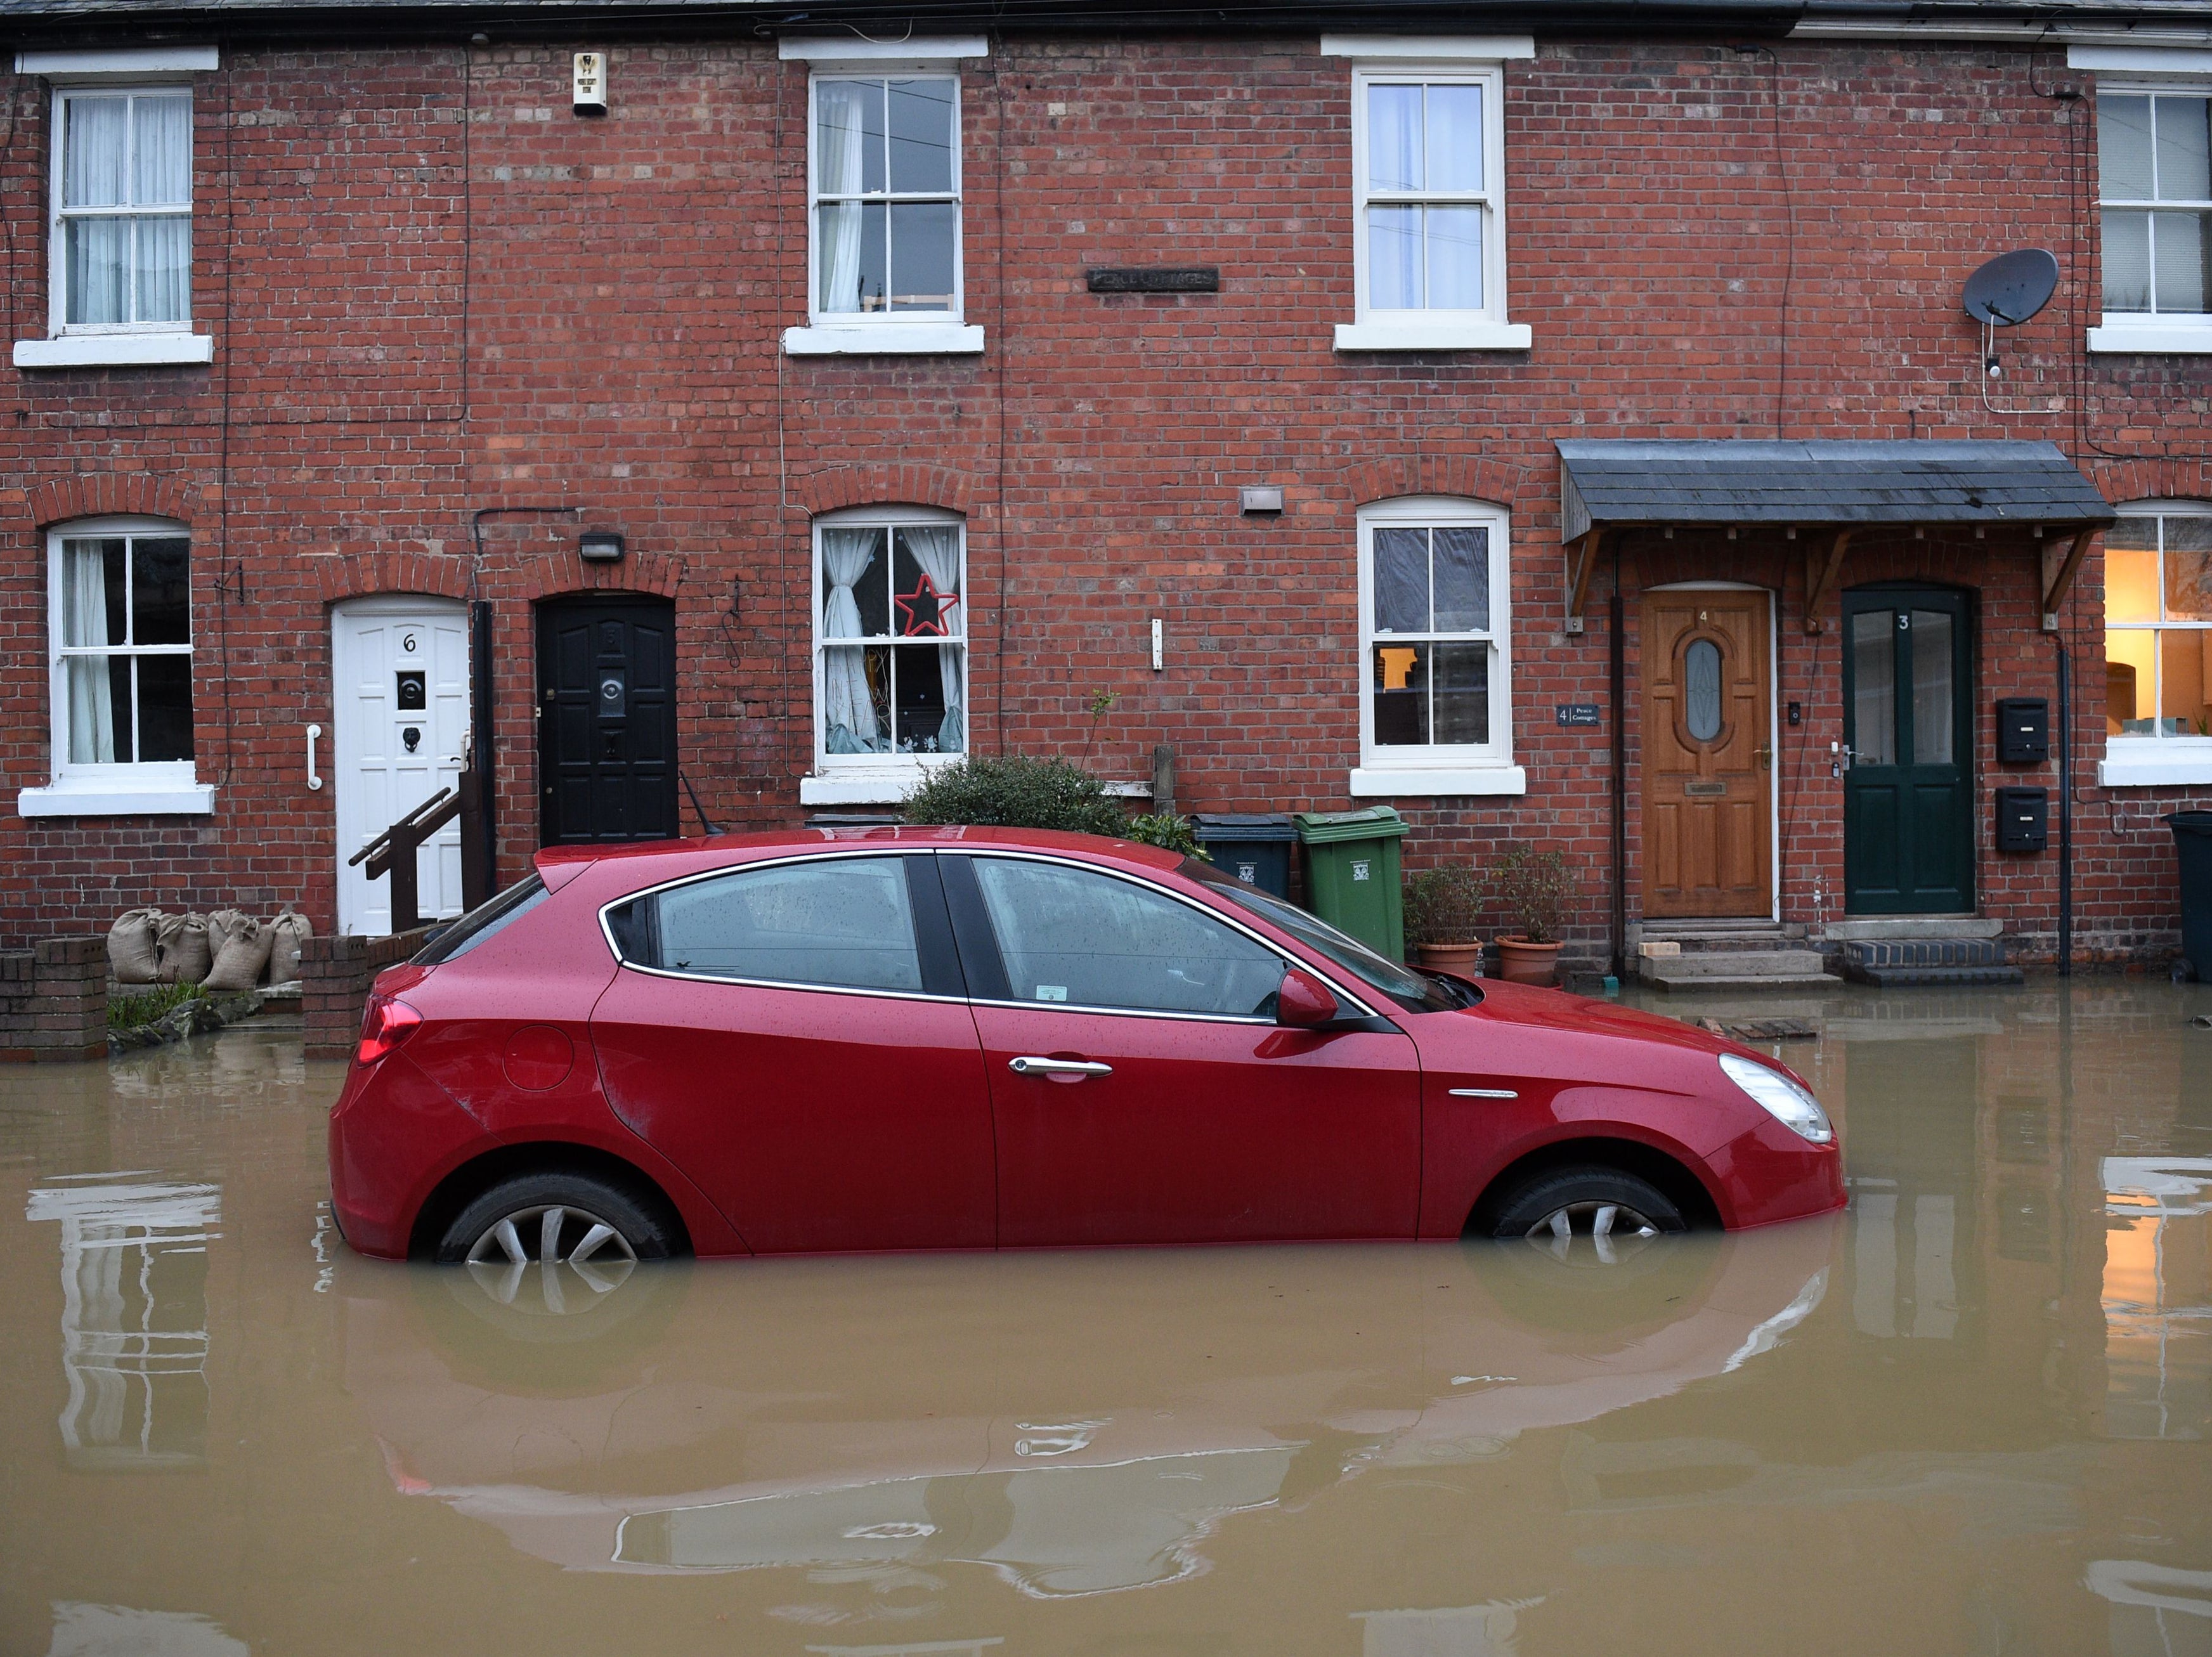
(1030, 1066)
(1483, 1093)
(1765, 754)
(313, 732)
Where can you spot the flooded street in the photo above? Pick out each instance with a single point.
(1973, 1414)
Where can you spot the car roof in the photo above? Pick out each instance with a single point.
(744, 847)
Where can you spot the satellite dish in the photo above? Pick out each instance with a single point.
(2012, 286)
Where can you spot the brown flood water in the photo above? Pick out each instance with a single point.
(1969, 1416)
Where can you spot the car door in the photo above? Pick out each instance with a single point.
(793, 1036)
(1141, 1091)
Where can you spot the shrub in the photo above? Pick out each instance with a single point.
(1166, 830)
(1444, 906)
(1533, 887)
(1016, 793)
(126, 1012)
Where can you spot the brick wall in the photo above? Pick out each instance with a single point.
(54, 1001)
(335, 975)
(433, 291)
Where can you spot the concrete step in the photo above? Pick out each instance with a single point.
(1714, 937)
(1708, 963)
(1733, 983)
(1738, 970)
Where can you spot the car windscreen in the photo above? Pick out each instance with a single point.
(482, 922)
(1414, 992)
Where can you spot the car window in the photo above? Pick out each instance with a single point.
(1087, 939)
(844, 924)
(1410, 990)
(486, 920)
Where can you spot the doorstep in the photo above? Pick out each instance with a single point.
(1886, 929)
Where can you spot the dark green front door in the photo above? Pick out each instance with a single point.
(1908, 723)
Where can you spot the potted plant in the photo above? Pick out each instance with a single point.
(1533, 887)
(1443, 907)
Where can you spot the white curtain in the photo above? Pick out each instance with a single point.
(848, 713)
(840, 154)
(84, 623)
(95, 173)
(936, 549)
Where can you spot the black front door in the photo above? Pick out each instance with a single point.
(606, 719)
(1908, 722)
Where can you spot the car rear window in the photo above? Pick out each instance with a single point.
(487, 918)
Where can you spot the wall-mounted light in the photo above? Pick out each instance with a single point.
(590, 83)
(1261, 498)
(599, 546)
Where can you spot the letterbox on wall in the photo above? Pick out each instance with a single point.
(2023, 730)
(2023, 819)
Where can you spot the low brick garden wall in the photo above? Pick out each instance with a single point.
(335, 974)
(54, 1001)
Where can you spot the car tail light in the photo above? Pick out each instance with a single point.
(383, 1026)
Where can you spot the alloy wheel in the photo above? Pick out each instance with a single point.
(563, 1241)
(1606, 1225)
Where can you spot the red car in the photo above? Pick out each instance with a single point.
(962, 1038)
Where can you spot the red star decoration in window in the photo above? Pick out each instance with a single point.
(913, 622)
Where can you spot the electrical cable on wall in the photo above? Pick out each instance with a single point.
(999, 534)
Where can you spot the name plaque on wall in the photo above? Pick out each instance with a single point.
(1577, 716)
(1154, 279)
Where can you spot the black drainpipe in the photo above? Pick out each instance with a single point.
(1617, 667)
(2065, 810)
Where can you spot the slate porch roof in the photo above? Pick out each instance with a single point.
(1622, 484)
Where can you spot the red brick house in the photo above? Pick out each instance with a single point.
(729, 415)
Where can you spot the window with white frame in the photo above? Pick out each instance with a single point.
(1435, 652)
(885, 163)
(2158, 631)
(891, 639)
(121, 625)
(2154, 185)
(1428, 137)
(122, 195)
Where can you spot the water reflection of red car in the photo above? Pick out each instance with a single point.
(910, 1039)
(983, 1412)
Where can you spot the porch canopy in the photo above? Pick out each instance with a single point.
(1833, 489)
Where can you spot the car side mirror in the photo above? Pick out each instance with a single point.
(1304, 1001)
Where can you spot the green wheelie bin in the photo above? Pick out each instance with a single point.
(1351, 874)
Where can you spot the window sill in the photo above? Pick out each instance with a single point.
(2180, 336)
(885, 339)
(2188, 764)
(115, 351)
(1386, 782)
(891, 788)
(67, 800)
(1433, 336)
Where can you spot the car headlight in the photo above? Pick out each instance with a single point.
(1789, 1104)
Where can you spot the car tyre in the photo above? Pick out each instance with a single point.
(1600, 1203)
(577, 1204)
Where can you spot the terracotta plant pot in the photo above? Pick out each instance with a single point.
(1520, 962)
(1463, 959)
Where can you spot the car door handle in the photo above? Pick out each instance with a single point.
(1483, 1093)
(1030, 1066)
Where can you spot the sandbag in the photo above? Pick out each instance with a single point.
(132, 957)
(223, 925)
(287, 932)
(238, 964)
(181, 947)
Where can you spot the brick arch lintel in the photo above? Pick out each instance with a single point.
(2155, 478)
(443, 575)
(109, 495)
(1466, 477)
(882, 483)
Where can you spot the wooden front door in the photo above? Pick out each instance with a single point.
(1708, 754)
